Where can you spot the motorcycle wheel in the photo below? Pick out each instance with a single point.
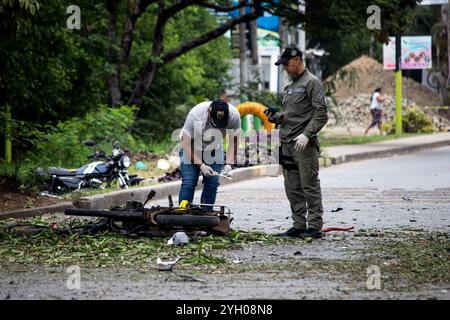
(187, 220)
(114, 183)
(135, 180)
(55, 189)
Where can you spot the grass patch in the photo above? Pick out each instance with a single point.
(327, 140)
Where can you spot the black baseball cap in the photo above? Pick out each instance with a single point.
(219, 113)
(287, 54)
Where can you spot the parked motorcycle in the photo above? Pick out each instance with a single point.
(108, 170)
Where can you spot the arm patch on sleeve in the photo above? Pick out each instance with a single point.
(321, 96)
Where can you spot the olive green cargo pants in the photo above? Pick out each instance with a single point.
(302, 185)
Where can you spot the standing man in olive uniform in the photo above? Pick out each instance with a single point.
(304, 115)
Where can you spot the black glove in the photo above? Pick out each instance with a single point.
(270, 111)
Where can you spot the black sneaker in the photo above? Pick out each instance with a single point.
(312, 233)
(292, 232)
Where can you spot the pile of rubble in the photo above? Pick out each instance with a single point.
(354, 84)
(354, 111)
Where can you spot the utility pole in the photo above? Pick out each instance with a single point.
(242, 66)
(254, 39)
(283, 43)
(242, 51)
(398, 85)
(448, 55)
(256, 71)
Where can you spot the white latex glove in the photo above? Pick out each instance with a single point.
(300, 142)
(207, 170)
(227, 170)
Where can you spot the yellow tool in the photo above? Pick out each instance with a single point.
(183, 205)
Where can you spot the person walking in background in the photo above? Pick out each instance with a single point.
(376, 109)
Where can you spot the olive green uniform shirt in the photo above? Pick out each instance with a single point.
(305, 108)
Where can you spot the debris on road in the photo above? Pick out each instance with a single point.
(337, 229)
(173, 175)
(308, 239)
(237, 260)
(179, 238)
(337, 209)
(166, 265)
(186, 278)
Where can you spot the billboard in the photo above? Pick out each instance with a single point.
(389, 54)
(415, 53)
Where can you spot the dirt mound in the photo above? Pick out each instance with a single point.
(369, 74)
(354, 84)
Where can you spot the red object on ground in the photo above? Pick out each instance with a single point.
(336, 229)
(53, 226)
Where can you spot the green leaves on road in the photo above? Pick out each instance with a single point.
(111, 250)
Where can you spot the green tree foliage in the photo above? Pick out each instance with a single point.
(413, 121)
(199, 75)
(62, 145)
(48, 72)
(17, 13)
(341, 28)
(103, 125)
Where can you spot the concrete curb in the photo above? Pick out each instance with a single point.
(33, 212)
(116, 198)
(386, 153)
(108, 200)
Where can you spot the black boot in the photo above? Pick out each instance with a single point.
(312, 233)
(292, 232)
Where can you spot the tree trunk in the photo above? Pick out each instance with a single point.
(159, 58)
(112, 81)
(142, 84)
(254, 39)
(373, 47)
(147, 74)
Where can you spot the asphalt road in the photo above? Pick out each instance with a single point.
(411, 192)
(395, 192)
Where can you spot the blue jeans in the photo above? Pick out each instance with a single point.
(189, 178)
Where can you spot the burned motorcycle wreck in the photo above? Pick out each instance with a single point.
(135, 218)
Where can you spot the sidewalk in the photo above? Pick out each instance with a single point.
(347, 153)
(334, 155)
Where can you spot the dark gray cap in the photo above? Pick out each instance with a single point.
(287, 54)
